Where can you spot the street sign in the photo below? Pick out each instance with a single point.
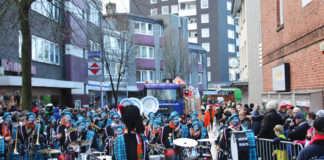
(94, 54)
(94, 68)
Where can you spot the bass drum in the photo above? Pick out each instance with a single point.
(157, 157)
(239, 145)
(170, 154)
(65, 157)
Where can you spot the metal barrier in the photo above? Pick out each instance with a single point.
(283, 150)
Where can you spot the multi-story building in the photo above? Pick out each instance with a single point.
(148, 63)
(293, 64)
(209, 24)
(249, 20)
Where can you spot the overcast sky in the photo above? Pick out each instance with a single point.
(122, 5)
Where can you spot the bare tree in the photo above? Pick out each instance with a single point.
(119, 51)
(174, 53)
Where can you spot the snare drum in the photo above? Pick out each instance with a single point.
(65, 157)
(192, 153)
(157, 157)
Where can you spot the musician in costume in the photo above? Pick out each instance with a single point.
(150, 119)
(88, 114)
(195, 131)
(156, 132)
(132, 136)
(103, 119)
(39, 137)
(6, 130)
(51, 131)
(173, 131)
(25, 137)
(225, 138)
(82, 133)
(62, 130)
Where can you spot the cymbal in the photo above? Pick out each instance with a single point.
(80, 143)
(104, 157)
(49, 151)
(185, 142)
(205, 140)
(202, 147)
(97, 152)
(156, 146)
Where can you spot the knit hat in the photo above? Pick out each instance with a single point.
(94, 115)
(157, 122)
(65, 112)
(30, 114)
(79, 121)
(173, 114)
(318, 124)
(231, 117)
(320, 113)
(299, 116)
(195, 123)
(194, 113)
(115, 114)
(51, 118)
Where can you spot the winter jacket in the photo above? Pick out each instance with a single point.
(209, 117)
(283, 115)
(246, 123)
(299, 131)
(270, 120)
(256, 125)
(314, 150)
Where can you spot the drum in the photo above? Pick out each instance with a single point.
(157, 157)
(104, 158)
(84, 156)
(65, 157)
(239, 145)
(51, 158)
(192, 153)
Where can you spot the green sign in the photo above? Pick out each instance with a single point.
(238, 95)
(47, 99)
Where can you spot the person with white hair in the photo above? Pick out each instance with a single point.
(270, 120)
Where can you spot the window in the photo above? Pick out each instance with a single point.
(231, 48)
(70, 7)
(204, 4)
(144, 28)
(164, 0)
(43, 50)
(206, 46)
(208, 76)
(145, 75)
(230, 34)
(154, 11)
(199, 59)
(192, 20)
(174, 9)
(229, 6)
(188, 6)
(192, 34)
(279, 13)
(145, 52)
(205, 32)
(46, 8)
(94, 46)
(94, 16)
(208, 61)
(153, 1)
(230, 20)
(200, 78)
(110, 44)
(165, 9)
(205, 18)
(305, 2)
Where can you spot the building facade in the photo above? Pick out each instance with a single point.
(209, 25)
(249, 20)
(293, 64)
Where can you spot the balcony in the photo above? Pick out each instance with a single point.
(193, 40)
(187, 12)
(183, 1)
(192, 26)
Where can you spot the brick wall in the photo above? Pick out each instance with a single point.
(296, 43)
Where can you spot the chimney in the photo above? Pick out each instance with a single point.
(111, 8)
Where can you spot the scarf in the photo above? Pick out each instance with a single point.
(316, 138)
(195, 133)
(5, 130)
(175, 128)
(140, 152)
(66, 124)
(30, 126)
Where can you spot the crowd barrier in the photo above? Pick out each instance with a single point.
(284, 150)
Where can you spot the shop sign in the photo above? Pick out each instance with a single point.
(11, 66)
(281, 77)
(94, 55)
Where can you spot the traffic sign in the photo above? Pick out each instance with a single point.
(94, 54)
(94, 68)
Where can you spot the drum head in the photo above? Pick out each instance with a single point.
(234, 150)
(104, 157)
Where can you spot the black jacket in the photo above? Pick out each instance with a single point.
(313, 151)
(299, 131)
(270, 120)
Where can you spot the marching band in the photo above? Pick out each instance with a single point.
(98, 136)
